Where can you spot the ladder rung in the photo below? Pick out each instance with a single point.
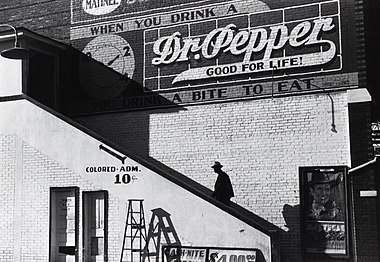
(132, 224)
(132, 249)
(151, 254)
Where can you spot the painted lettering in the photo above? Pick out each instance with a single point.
(176, 98)
(295, 85)
(148, 22)
(142, 101)
(168, 48)
(256, 89)
(104, 105)
(232, 9)
(90, 4)
(286, 62)
(100, 7)
(222, 92)
(122, 179)
(139, 23)
(209, 94)
(221, 70)
(173, 48)
(106, 29)
(252, 66)
(129, 169)
(192, 15)
(282, 86)
(95, 169)
(308, 83)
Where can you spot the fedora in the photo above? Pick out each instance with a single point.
(217, 164)
(322, 178)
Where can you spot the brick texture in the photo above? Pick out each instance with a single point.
(39, 174)
(7, 173)
(50, 18)
(261, 144)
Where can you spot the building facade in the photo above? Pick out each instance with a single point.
(129, 103)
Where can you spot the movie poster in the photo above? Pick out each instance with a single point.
(324, 210)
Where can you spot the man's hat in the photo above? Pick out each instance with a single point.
(322, 178)
(217, 164)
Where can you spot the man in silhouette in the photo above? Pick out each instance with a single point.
(223, 188)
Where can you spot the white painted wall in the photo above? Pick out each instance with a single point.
(10, 77)
(197, 222)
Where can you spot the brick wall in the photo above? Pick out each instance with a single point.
(46, 17)
(7, 172)
(39, 174)
(261, 144)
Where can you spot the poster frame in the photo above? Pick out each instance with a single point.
(307, 250)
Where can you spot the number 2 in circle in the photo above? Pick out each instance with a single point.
(127, 49)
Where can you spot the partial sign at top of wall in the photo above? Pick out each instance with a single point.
(94, 10)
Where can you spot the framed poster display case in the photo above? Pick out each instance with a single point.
(324, 211)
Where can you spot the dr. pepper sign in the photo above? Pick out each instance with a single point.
(243, 46)
(200, 51)
(256, 47)
(225, 42)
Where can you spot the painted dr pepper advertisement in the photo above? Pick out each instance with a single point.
(324, 210)
(211, 50)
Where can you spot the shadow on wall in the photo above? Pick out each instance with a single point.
(314, 239)
(160, 225)
(89, 86)
(290, 239)
(161, 236)
(92, 93)
(233, 209)
(142, 243)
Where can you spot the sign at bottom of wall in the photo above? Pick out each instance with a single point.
(207, 254)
